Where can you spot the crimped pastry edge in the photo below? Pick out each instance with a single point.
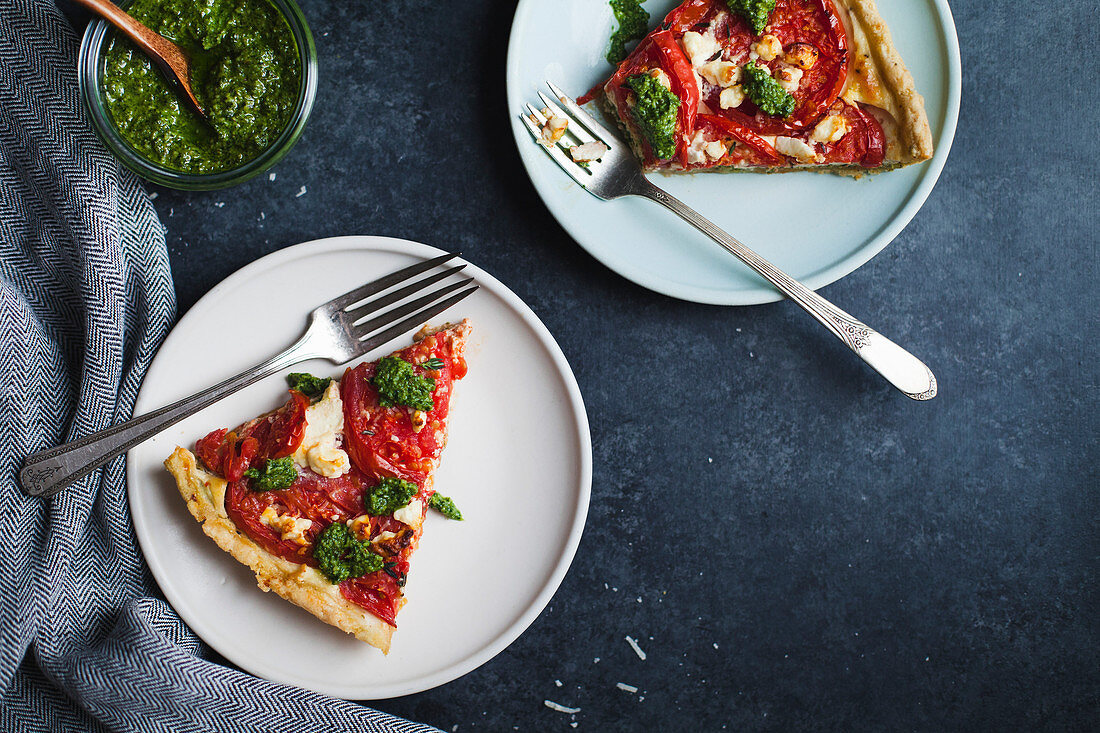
(914, 132)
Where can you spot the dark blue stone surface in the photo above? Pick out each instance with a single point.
(858, 561)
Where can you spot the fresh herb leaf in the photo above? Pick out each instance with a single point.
(632, 20)
(277, 473)
(308, 384)
(398, 384)
(389, 495)
(445, 506)
(341, 556)
(765, 92)
(756, 12)
(366, 432)
(433, 364)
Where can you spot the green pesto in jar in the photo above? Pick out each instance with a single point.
(246, 74)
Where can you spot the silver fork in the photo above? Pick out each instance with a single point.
(617, 173)
(339, 331)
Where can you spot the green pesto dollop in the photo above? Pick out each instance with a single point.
(277, 473)
(341, 556)
(765, 92)
(756, 12)
(632, 20)
(654, 111)
(389, 495)
(308, 384)
(445, 506)
(399, 384)
(246, 74)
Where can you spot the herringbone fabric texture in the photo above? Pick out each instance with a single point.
(85, 298)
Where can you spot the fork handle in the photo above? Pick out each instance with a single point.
(900, 368)
(47, 472)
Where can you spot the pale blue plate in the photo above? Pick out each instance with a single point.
(816, 227)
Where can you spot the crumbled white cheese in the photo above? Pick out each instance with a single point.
(831, 129)
(637, 649)
(588, 151)
(697, 149)
(721, 73)
(789, 77)
(360, 527)
(324, 425)
(700, 47)
(554, 128)
(768, 47)
(291, 528)
(411, 514)
(795, 148)
(716, 149)
(661, 77)
(732, 97)
(802, 55)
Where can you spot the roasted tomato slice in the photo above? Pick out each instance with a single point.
(317, 498)
(816, 24)
(382, 441)
(211, 450)
(686, 16)
(662, 51)
(275, 435)
(864, 143)
(813, 40)
(379, 593)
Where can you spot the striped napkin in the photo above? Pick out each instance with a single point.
(86, 296)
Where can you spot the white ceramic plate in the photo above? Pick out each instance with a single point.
(518, 464)
(816, 227)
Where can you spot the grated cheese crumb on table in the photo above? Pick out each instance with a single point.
(560, 708)
(626, 688)
(637, 649)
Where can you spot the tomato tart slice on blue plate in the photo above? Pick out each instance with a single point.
(772, 86)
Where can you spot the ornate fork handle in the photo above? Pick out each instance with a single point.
(895, 364)
(47, 472)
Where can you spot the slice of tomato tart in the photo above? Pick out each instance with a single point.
(325, 498)
(770, 85)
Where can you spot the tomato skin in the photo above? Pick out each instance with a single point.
(865, 142)
(378, 592)
(238, 456)
(681, 18)
(211, 450)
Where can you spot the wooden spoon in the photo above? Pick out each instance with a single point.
(172, 60)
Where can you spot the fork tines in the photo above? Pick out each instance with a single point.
(581, 128)
(355, 308)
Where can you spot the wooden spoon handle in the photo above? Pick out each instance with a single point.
(131, 28)
(170, 57)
